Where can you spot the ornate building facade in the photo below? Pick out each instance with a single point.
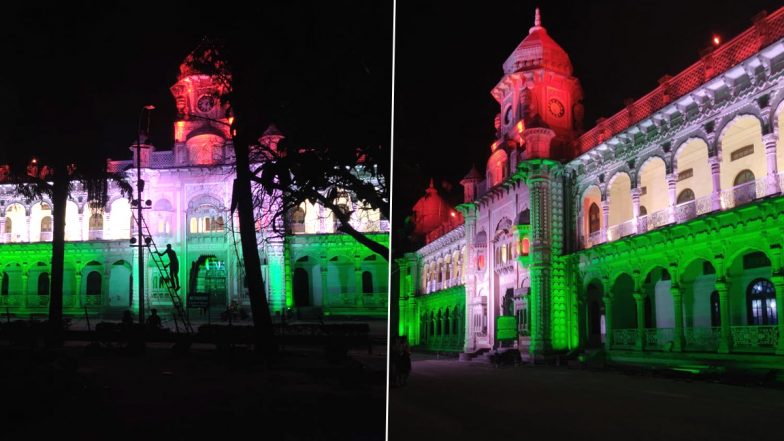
(312, 267)
(656, 235)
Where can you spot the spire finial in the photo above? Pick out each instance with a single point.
(537, 18)
(431, 183)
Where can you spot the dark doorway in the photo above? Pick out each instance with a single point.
(43, 284)
(301, 288)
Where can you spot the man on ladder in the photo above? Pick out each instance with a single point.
(174, 266)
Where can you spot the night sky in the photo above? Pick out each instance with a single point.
(449, 58)
(73, 81)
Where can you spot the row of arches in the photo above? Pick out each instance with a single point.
(317, 282)
(443, 328)
(310, 218)
(444, 271)
(696, 310)
(697, 181)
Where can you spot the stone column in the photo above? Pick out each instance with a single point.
(81, 226)
(25, 276)
(724, 309)
(605, 217)
(608, 320)
(639, 300)
(677, 306)
(635, 208)
(770, 154)
(715, 167)
(28, 236)
(359, 299)
(77, 294)
(672, 179)
(106, 232)
(324, 288)
(2, 228)
(469, 216)
(778, 283)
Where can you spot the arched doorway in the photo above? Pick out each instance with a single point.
(301, 288)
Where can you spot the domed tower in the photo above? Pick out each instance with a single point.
(430, 211)
(202, 128)
(538, 90)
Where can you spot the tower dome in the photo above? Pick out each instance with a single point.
(430, 211)
(538, 50)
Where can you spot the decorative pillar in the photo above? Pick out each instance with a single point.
(715, 167)
(672, 179)
(605, 217)
(324, 288)
(778, 284)
(608, 321)
(27, 237)
(77, 294)
(358, 293)
(471, 301)
(2, 229)
(677, 306)
(770, 154)
(25, 276)
(635, 208)
(81, 226)
(639, 300)
(724, 310)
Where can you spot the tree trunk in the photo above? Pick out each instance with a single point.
(243, 196)
(59, 202)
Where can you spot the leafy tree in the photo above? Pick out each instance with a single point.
(58, 182)
(288, 178)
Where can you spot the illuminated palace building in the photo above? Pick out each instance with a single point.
(189, 187)
(655, 235)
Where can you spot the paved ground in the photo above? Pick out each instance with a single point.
(158, 395)
(450, 400)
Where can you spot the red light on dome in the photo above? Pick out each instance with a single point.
(453, 214)
(494, 146)
(520, 126)
(231, 120)
(716, 40)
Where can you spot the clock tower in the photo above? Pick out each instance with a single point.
(202, 133)
(538, 90)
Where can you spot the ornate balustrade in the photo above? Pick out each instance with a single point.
(593, 239)
(92, 300)
(659, 338)
(754, 338)
(46, 236)
(95, 235)
(11, 300)
(702, 339)
(613, 233)
(744, 193)
(38, 301)
(624, 338)
(659, 218)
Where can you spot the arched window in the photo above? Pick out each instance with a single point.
(455, 321)
(46, 224)
(761, 303)
(744, 177)
(432, 324)
(439, 322)
(343, 209)
(96, 221)
(5, 284)
(367, 282)
(594, 218)
(43, 284)
(686, 195)
(94, 284)
(298, 220)
(9, 226)
(447, 328)
(715, 309)
(643, 210)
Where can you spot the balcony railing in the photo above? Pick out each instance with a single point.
(46, 236)
(659, 338)
(11, 300)
(754, 337)
(702, 339)
(730, 198)
(744, 193)
(95, 235)
(624, 338)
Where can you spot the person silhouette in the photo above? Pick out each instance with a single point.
(154, 320)
(174, 266)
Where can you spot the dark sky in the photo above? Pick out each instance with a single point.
(73, 80)
(448, 59)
